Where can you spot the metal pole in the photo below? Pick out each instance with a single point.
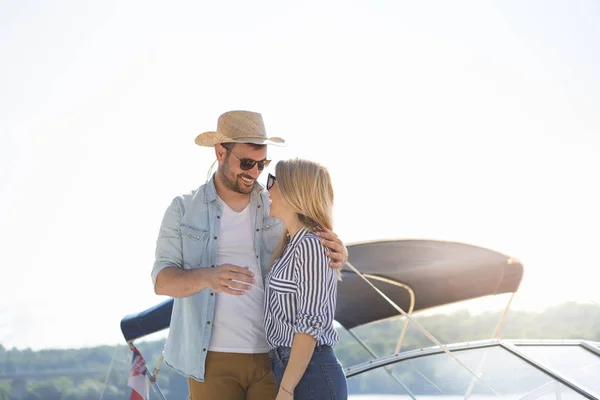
(148, 374)
(502, 317)
(154, 384)
(411, 306)
(494, 336)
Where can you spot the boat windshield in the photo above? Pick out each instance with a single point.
(505, 371)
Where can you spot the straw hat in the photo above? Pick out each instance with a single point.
(238, 127)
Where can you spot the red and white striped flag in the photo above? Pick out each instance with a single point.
(137, 378)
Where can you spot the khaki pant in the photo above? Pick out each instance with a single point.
(235, 376)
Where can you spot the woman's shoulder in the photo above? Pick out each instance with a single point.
(310, 236)
(310, 242)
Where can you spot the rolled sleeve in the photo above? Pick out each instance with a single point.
(311, 269)
(169, 251)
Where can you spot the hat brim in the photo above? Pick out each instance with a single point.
(212, 138)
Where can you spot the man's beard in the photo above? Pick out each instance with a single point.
(233, 182)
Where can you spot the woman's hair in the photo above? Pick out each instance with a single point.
(305, 187)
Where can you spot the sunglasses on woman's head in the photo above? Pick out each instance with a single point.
(270, 181)
(248, 163)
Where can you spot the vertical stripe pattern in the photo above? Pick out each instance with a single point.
(300, 293)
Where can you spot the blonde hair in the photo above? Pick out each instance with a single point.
(305, 188)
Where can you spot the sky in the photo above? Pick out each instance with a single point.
(470, 121)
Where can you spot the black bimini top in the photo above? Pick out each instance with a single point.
(438, 272)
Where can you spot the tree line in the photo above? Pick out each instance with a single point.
(566, 321)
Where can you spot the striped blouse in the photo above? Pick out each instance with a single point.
(300, 293)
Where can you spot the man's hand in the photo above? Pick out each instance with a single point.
(223, 279)
(338, 253)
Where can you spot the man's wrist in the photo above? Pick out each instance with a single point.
(201, 279)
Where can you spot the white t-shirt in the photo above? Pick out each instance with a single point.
(238, 321)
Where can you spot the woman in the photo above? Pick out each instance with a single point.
(301, 288)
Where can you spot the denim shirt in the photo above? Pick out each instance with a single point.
(188, 239)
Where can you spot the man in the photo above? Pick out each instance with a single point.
(214, 246)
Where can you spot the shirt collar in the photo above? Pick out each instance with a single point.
(301, 233)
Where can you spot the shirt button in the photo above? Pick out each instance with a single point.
(215, 238)
(256, 256)
(257, 229)
(218, 217)
(208, 322)
(267, 226)
(212, 266)
(197, 237)
(203, 349)
(259, 206)
(212, 294)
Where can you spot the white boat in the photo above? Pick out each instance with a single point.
(387, 278)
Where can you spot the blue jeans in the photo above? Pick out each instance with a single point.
(323, 379)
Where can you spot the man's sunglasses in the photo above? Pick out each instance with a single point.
(248, 163)
(270, 181)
